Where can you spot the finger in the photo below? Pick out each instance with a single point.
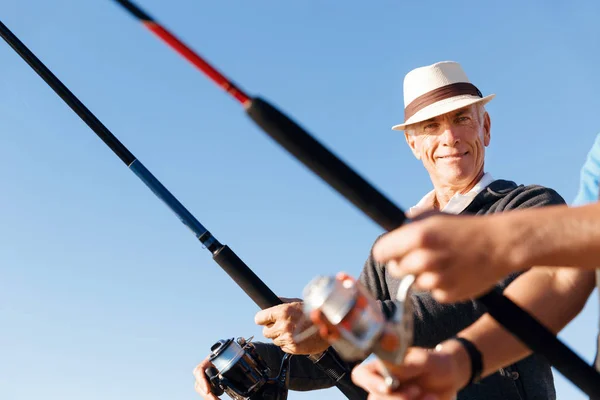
(446, 276)
(199, 389)
(428, 280)
(396, 244)
(206, 395)
(327, 331)
(414, 365)
(418, 261)
(317, 317)
(400, 268)
(445, 287)
(272, 331)
(394, 267)
(284, 340)
(288, 312)
(378, 389)
(416, 235)
(267, 316)
(200, 376)
(442, 296)
(289, 319)
(368, 377)
(328, 334)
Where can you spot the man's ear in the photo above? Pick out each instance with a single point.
(487, 129)
(411, 141)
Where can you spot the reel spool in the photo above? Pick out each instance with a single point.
(359, 321)
(240, 372)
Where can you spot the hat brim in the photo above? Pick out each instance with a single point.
(442, 107)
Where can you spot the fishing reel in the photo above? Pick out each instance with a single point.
(357, 322)
(241, 373)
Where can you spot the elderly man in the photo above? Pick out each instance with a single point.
(434, 248)
(447, 129)
(461, 257)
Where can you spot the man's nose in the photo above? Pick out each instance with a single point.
(450, 136)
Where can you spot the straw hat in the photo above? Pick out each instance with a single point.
(436, 89)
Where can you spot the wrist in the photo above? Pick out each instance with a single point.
(466, 359)
(461, 364)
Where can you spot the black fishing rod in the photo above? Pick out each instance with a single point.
(246, 279)
(299, 143)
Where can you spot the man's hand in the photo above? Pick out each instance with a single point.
(424, 375)
(284, 321)
(202, 386)
(455, 257)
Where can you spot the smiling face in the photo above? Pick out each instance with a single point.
(452, 146)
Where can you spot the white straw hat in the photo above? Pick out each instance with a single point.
(435, 90)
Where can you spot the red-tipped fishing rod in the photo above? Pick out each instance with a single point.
(288, 134)
(186, 52)
(373, 203)
(248, 281)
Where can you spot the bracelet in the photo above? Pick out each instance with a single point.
(475, 357)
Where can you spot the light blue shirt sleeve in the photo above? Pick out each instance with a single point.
(589, 188)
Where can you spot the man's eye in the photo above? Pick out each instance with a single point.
(430, 127)
(462, 119)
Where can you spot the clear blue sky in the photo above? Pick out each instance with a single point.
(104, 294)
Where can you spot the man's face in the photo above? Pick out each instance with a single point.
(452, 146)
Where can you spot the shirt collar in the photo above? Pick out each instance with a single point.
(457, 203)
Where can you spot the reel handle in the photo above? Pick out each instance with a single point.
(283, 379)
(276, 388)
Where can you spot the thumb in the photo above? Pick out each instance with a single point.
(414, 364)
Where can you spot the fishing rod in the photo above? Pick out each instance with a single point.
(246, 279)
(304, 147)
(288, 134)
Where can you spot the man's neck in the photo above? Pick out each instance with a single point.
(443, 193)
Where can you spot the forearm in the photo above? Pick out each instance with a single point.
(553, 295)
(552, 236)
